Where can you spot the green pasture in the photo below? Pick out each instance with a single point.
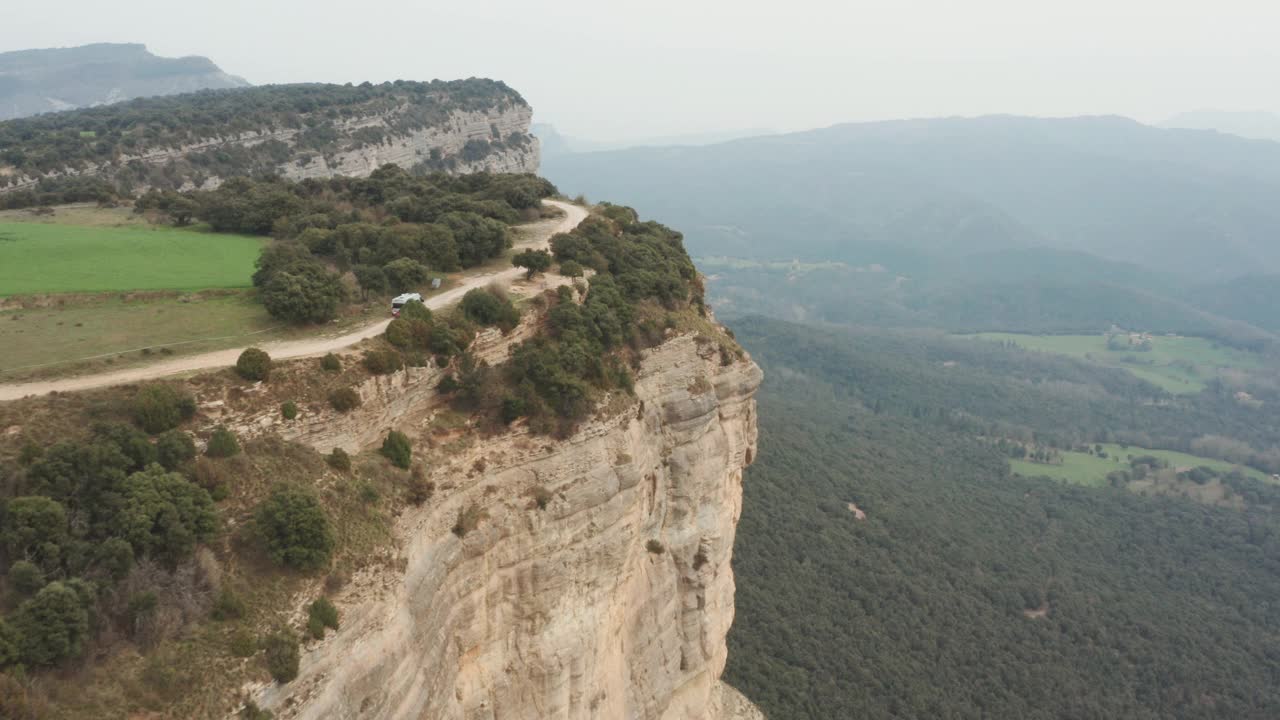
(1085, 469)
(51, 258)
(1176, 364)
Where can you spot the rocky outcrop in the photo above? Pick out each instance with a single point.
(597, 585)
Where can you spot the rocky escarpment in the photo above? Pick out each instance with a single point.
(611, 600)
(298, 131)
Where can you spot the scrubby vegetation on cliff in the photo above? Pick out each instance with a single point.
(120, 134)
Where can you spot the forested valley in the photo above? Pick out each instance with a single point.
(890, 564)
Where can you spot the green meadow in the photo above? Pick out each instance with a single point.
(48, 258)
(1085, 469)
(1176, 364)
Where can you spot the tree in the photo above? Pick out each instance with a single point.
(254, 365)
(397, 448)
(344, 399)
(372, 280)
(52, 625)
(26, 577)
(222, 443)
(35, 528)
(282, 655)
(331, 363)
(157, 407)
(486, 307)
(404, 275)
(164, 515)
(571, 269)
(534, 261)
(294, 528)
(173, 448)
(321, 614)
(304, 293)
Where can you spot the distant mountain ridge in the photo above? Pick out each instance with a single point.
(1257, 125)
(49, 80)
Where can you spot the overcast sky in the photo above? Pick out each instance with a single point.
(621, 69)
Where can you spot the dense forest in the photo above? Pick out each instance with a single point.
(119, 136)
(967, 591)
(388, 230)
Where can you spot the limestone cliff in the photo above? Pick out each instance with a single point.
(611, 601)
(297, 131)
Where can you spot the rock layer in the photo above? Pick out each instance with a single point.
(611, 601)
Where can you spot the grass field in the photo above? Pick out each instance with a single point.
(1176, 364)
(1085, 469)
(54, 257)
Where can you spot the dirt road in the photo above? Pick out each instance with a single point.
(296, 348)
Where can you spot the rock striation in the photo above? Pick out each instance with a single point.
(598, 583)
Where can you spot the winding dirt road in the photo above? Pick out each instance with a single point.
(296, 348)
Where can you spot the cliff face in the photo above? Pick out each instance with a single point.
(40, 81)
(613, 601)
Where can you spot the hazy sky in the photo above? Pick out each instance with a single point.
(614, 69)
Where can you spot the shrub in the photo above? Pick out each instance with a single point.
(331, 363)
(468, 519)
(30, 453)
(282, 655)
(414, 310)
(306, 292)
(397, 448)
(52, 625)
(251, 711)
(294, 528)
(163, 515)
(243, 644)
(156, 408)
(320, 615)
(227, 605)
(254, 365)
(655, 547)
(289, 410)
(486, 307)
(420, 488)
(383, 361)
(173, 448)
(541, 497)
(26, 577)
(344, 399)
(15, 702)
(339, 459)
(222, 443)
(571, 268)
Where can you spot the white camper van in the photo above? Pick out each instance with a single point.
(398, 301)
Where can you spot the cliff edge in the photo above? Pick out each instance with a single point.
(612, 602)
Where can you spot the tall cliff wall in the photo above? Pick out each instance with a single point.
(612, 602)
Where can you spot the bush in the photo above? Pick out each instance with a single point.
(243, 644)
(420, 488)
(294, 528)
(26, 577)
(487, 307)
(156, 408)
(15, 703)
(306, 292)
(282, 655)
(320, 615)
(227, 606)
(655, 547)
(383, 361)
(344, 399)
(331, 363)
(173, 448)
(404, 275)
(222, 443)
(251, 711)
(254, 365)
(339, 459)
(571, 268)
(52, 626)
(289, 410)
(541, 497)
(468, 519)
(397, 448)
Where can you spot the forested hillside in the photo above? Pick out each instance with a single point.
(970, 592)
